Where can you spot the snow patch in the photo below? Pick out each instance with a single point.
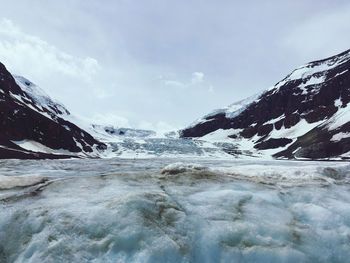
(341, 117)
(220, 135)
(312, 81)
(341, 73)
(273, 121)
(339, 136)
(338, 103)
(34, 146)
(295, 131)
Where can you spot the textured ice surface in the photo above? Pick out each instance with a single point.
(9, 182)
(205, 211)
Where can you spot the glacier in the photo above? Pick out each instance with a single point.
(174, 210)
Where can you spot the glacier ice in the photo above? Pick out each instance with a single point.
(195, 211)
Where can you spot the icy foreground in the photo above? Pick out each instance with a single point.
(161, 210)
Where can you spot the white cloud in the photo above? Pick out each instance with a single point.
(197, 77)
(31, 56)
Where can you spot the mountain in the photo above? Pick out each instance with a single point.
(33, 126)
(305, 115)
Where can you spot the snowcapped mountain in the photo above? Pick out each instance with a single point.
(35, 126)
(305, 115)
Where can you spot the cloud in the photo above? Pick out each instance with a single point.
(31, 56)
(101, 58)
(197, 77)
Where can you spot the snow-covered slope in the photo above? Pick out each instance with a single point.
(35, 126)
(305, 115)
(41, 99)
(230, 111)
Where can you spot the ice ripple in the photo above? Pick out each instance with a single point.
(198, 214)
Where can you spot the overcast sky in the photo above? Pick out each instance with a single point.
(161, 64)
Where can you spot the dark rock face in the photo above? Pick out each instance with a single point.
(312, 93)
(272, 143)
(212, 123)
(22, 118)
(318, 144)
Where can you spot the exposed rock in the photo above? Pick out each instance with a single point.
(25, 114)
(273, 143)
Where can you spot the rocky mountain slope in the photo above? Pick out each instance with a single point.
(305, 115)
(34, 126)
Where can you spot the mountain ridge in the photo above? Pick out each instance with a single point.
(303, 100)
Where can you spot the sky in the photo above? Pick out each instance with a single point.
(162, 64)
